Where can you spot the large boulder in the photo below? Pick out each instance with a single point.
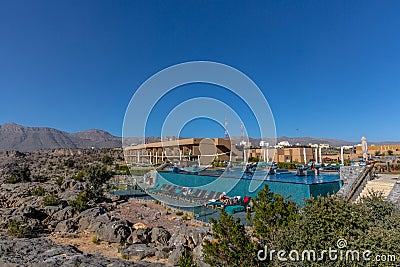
(87, 218)
(138, 251)
(160, 236)
(173, 259)
(116, 232)
(64, 214)
(189, 238)
(163, 252)
(139, 236)
(42, 252)
(66, 226)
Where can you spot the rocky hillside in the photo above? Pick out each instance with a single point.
(22, 138)
(55, 212)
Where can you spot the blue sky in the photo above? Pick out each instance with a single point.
(327, 68)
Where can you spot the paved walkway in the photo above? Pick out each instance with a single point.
(384, 183)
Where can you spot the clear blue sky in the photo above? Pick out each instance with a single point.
(327, 68)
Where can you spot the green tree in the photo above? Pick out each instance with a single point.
(232, 245)
(97, 176)
(271, 213)
(390, 152)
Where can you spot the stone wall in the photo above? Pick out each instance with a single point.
(350, 176)
(394, 195)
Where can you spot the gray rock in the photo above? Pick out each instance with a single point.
(64, 214)
(188, 238)
(198, 253)
(50, 210)
(117, 232)
(160, 236)
(138, 251)
(32, 212)
(163, 251)
(88, 217)
(161, 254)
(173, 259)
(139, 236)
(42, 252)
(66, 226)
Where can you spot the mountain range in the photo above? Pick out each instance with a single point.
(22, 138)
(17, 137)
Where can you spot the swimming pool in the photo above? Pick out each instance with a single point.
(296, 188)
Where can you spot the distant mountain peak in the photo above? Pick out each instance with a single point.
(17, 137)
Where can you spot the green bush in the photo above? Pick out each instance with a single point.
(41, 178)
(107, 160)
(51, 200)
(186, 260)
(12, 180)
(37, 191)
(179, 213)
(60, 180)
(95, 239)
(81, 201)
(16, 228)
(287, 165)
(79, 177)
(122, 169)
(69, 163)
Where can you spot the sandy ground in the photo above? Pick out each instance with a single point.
(84, 242)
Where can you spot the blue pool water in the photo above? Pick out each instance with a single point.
(288, 184)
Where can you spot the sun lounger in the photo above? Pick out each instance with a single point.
(200, 197)
(212, 195)
(232, 209)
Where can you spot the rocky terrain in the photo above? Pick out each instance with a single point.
(54, 211)
(22, 138)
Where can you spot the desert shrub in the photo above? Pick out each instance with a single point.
(37, 191)
(69, 163)
(59, 180)
(107, 160)
(186, 260)
(16, 228)
(79, 177)
(81, 201)
(41, 178)
(179, 213)
(51, 200)
(95, 239)
(12, 180)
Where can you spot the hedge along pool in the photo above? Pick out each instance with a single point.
(289, 185)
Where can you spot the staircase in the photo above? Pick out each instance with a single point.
(354, 180)
(384, 184)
